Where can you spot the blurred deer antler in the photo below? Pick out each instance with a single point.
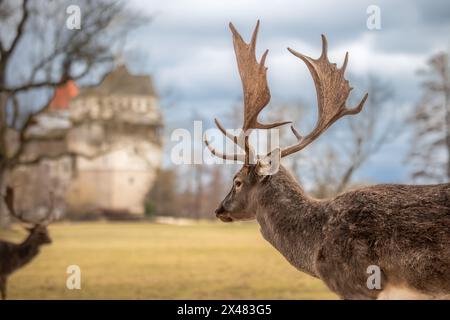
(9, 200)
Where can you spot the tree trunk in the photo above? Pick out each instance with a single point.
(3, 129)
(198, 198)
(3, 220)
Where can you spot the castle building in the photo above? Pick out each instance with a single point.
(102, 146)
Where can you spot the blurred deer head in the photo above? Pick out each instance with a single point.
(14, 256)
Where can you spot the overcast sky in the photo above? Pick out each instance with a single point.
(188, 50)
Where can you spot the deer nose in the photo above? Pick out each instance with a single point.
(220, 210)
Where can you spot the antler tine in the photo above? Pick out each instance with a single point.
(344, 65)
(332, 92)
(324, 54)
(240, 140)
(230, 136)
(225, 156)
(9, 200)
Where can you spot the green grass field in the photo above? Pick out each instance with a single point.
(156, 261)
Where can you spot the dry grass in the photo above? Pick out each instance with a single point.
(154, 261)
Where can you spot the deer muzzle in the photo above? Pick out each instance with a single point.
(222, 214)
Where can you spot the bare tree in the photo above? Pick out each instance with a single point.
(430, 150)
(162, 198)
(199, 198)
(38, 53)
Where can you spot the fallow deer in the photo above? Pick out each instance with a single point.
(14, 256)
(404, 230)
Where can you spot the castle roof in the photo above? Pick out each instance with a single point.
(63, 94)
(121, 82)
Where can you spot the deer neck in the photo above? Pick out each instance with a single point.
(27, 250)
(290, 220)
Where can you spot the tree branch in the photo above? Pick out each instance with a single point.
(15, 105)
(53, 84)
(32, 116)
(20, 28)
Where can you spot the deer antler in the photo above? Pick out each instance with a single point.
(331, 87)
(332, 92)
(256, 95)
(9, 200)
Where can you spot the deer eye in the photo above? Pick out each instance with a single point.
(237, 183)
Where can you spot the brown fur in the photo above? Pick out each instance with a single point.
(403, 229)
(15, 256)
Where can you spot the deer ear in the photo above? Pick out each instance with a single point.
(270, 164)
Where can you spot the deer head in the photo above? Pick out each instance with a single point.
(332, 92)
(38, 233)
